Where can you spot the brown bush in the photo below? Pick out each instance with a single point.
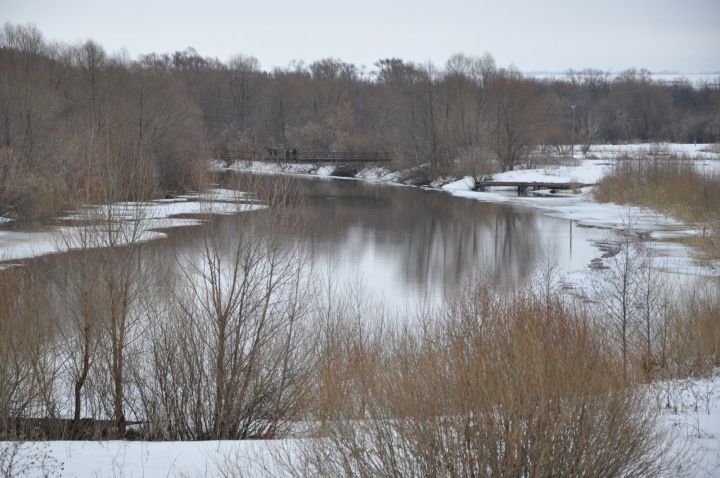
(507, 384)
(694, 335)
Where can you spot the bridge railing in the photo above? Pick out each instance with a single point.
(295, 156)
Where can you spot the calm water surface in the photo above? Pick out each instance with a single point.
(404, 246)
(407, 244)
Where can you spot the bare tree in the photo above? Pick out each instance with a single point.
(616, 290)
(517, 118)
(237, 315)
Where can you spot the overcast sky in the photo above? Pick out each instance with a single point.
(535, 35)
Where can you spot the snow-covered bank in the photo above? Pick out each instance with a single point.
(686, 150)
(273, 168)
(579, 207)
(585, 171)
(139, 222)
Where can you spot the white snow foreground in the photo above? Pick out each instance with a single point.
(689, 410)
(136, 459)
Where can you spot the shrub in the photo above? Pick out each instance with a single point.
(508, 384)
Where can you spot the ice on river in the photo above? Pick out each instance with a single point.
(121, 223)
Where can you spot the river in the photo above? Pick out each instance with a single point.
(401, 245)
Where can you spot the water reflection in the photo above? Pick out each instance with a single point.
(405, 244)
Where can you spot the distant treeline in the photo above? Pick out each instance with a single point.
(78, 124)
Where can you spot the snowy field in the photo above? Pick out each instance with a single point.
(686, 150)
(696, 79)
(690, 411)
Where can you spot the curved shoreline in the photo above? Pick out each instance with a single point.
(662, 231)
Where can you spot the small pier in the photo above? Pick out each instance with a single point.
(524, 186)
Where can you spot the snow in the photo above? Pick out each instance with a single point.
(138, 221)
(379, 174)
(325, 171)
(689, 409)
(275, 168)
(134, 459)
(586, 172)
(687, 150)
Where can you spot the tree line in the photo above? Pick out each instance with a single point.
(74, 118)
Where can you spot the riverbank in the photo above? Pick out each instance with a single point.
(668, 235)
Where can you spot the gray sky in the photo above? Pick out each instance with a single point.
(681, 35)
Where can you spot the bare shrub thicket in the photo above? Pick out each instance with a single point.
(28, 371)
(231, 344)
(658, 328)
(617, 291)
(218, 344)
(101, 309)
(694, 341)
(506, 383)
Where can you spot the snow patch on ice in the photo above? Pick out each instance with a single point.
(121, 223)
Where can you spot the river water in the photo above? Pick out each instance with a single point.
(404, 244)
(400, 245)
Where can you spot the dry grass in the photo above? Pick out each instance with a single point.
(673, 187)
(694, 339)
